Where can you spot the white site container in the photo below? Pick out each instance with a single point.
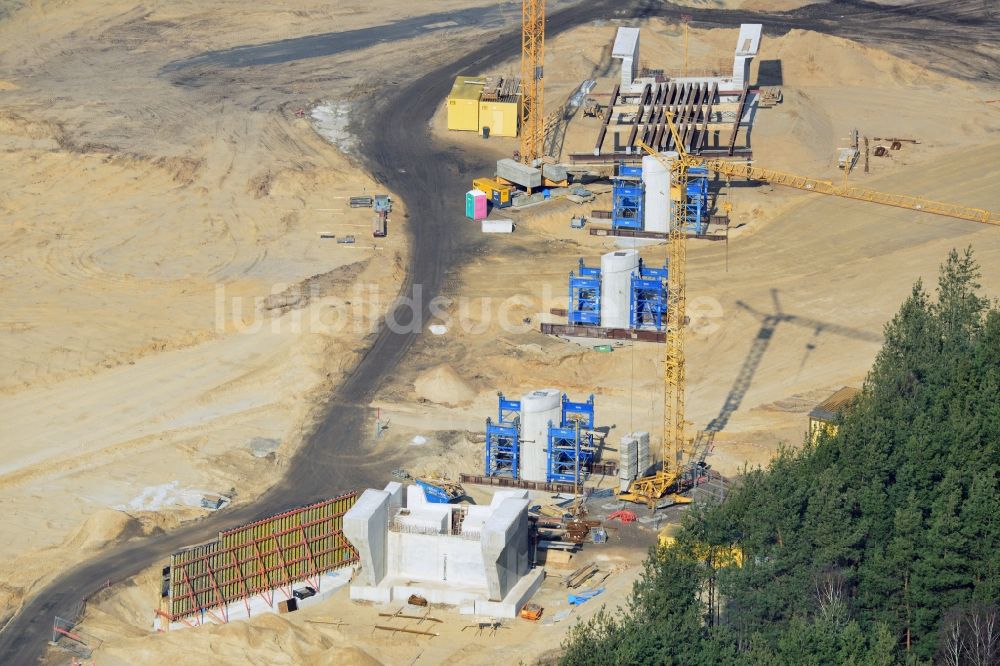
(498, 226)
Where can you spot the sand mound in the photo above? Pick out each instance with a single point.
(443, 386)
(805, 55)
(102, 527)
(347, 656)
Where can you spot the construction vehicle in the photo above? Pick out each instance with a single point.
(532, 85)
(379, 223)
(383, 205)
(666, 482)
(653, 488)
(594, 109)
(745, 171)
(532, 612)
(438, 491)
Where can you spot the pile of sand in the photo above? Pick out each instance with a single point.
(294, 641)
(101, 528)
(443, 386)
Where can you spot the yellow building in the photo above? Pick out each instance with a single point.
(826, 416)
(501, 117)
(500, 106)
(463, 103)
(485, 104)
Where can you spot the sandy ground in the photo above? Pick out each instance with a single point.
(124, 397)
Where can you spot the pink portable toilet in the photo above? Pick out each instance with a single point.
(475, 204)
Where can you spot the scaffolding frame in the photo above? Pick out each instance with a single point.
(507, 410)
(582, 412)
(503, 439)
(570, 447)
(627, 198)
(648, 298)
(503, 448)
(585, 296)
(570, 453)
(696, 218)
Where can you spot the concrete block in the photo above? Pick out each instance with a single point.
(522, 174)
(501, 495)
(504, 544)
(514, 601)
(555, 172)
(415, 497)
(366, 527)
(498, 226)
(396, 497)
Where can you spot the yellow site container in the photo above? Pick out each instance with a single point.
(501, 117)
(497, 193)
(484, 184)
(463, 103)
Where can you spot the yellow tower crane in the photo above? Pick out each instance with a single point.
(674, 445)
(532, 84)
(652, 488)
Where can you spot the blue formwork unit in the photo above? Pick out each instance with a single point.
(697, 200)
(627, 198)
(648, 298)
(503, 445)
(578, 411)
(563, 445)
(585, 296)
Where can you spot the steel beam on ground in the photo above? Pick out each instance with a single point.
(712, 95)
(739, 117)
(658, 235)
(602, 333)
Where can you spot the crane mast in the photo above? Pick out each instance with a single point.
(673, 442)
(532, 84)
(673, 376)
